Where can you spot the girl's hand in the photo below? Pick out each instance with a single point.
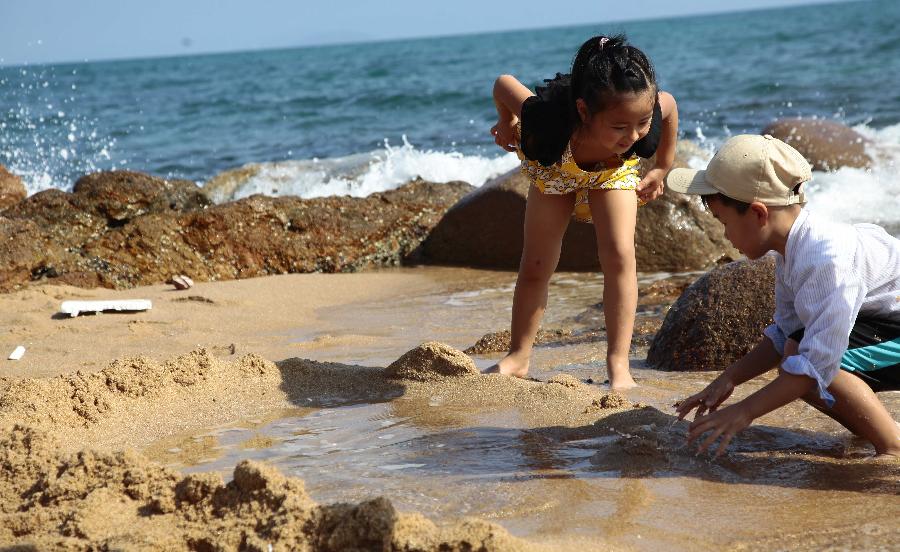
(707, 400)
(505, 134)
(652, 185)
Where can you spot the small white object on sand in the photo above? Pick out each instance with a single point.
(18, 353)
(73, 308)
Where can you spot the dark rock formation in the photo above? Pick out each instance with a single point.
(827, 145)
(719, 318)
(122, 229)
(12, 190)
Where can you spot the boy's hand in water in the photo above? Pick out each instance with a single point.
(652, 185)
(707, 400)
(724, 423)
(505, 134)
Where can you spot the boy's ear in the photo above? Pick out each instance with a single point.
(760, 212)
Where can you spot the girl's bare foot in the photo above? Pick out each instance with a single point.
(620, 377)
(510, 365)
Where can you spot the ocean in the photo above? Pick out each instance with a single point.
(359, 118)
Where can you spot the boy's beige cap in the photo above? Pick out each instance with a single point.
(748, 168)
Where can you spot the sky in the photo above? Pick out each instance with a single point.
(46, 31)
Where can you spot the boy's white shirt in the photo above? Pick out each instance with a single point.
(830, 274)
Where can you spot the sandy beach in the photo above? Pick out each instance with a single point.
(127, 426)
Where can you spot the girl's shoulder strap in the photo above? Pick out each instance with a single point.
(646, 146)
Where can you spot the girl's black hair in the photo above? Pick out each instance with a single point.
(604, 68)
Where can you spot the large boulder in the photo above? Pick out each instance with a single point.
(125, 229)
(12, 190)
(674, 233)
(120, 196)
(827, 145)
(717, 319)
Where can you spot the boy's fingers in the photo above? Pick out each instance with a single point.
(686, 406)
(726, 440)
(695, 430)
(709, 440)
(701, 410)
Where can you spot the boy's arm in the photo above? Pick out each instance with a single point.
(651, 186)
(730, 420)
(759, 360)
(509, 95)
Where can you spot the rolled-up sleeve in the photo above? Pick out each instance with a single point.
(827, 304)
(776, 336)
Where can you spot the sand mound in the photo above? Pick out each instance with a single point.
(566, 380)
(609, 401)
(93, 500)
(432, 360)
(80, 399)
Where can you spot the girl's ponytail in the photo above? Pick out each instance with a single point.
(547, 121)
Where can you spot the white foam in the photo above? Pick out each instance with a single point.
(363, 174)
(863, 195)
(848, 194)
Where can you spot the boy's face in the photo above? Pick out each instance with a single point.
(745, 230)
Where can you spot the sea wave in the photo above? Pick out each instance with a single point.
(863, 195)
(357, 175)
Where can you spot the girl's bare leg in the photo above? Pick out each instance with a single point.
(857, 408)
(615, 215)
(546, 220)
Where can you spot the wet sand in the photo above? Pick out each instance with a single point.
(554, 463)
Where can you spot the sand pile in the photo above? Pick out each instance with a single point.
(92, 500)
(432, 360)
(133, 400)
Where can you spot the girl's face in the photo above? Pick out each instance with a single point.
(623, 123)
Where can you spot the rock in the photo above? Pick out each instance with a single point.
(717, 319)
(498, 342)
(12, 190)
(827, 145)
(430, 361)
(120, 196)
(484, 229)
(125, 229)
(222, 186)
(181, 282)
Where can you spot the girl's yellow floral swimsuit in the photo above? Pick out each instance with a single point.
(566, 177)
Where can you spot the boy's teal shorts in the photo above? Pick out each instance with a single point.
(873, 353)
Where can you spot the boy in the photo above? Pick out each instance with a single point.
(836, 336)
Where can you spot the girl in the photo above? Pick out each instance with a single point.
(579, 140)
